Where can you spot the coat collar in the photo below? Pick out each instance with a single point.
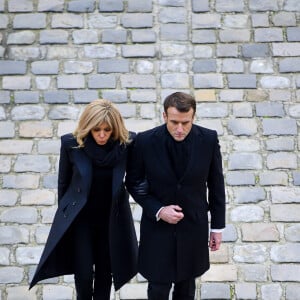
(84, 166)
(159, 146)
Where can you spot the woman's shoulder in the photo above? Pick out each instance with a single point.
(132, 136)
(68, 140)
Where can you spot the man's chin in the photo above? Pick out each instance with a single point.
(179, 138)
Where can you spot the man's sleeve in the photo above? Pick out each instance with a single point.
(137, 182)
(216, 189)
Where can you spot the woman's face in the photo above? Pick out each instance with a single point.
(101, 133)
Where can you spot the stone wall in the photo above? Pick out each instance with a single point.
(239, 58)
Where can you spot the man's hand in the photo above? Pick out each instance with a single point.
(171, 214)
(215, 240)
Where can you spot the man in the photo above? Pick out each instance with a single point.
(175, 174)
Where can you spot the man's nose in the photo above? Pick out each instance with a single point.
(179, 127)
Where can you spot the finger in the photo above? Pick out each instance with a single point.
(177, 207)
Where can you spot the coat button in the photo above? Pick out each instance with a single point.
(79, 190)
(178, 186)
(74, 203)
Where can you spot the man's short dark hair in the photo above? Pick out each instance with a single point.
(181, 101)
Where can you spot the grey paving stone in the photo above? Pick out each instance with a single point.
(102, 81)
(177, 32)
(110, 6)
(291, 5)
(260, 19)
(204, 66)
(229, 6)
(73, 67)
(176, 3)
(138, 51)
(63, 112)
(16, 83)
(143, 36)
(208, 81)
(241, 81)
(172, 15)
(268, 35)
(24, 37)
(284, 19)
(289, 65)
(45, 67)
(114, 36)
(20, 5)
(293, 34)
(255, 50)
(279, 126)
(26, 97)
(101, 21)
(215, 291)
(67, 20)
(117, 96)
(85, 36)
(200, 6)
(268, 109)
(137, 20)
(114, 66)
(3, 21)
(139, 5)
(56, 96)
(204, 36)
(31, 20)
(10, 67)
(51, 6)
(270, 5)
(81, 6)
(206, 21)
(85, 96)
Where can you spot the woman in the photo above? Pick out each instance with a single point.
(92, 235)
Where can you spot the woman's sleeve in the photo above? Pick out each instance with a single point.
(64, 171)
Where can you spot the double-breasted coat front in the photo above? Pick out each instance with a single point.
(168, 252)
(75, 176)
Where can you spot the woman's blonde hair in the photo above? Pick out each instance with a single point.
(96, 113)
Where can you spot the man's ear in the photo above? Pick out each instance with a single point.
(165, 117)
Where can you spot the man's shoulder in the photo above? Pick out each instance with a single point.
(204, 131)
(150, 132)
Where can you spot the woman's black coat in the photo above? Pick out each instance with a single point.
(75, 175)
(168, 252)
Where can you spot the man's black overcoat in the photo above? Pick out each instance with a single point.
(171, 253)
(75, 174)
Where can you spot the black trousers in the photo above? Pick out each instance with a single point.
(92, 274)
(183, 290)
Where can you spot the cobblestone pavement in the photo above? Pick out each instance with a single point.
(239, 58)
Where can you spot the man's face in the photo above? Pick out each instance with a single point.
(179, 124)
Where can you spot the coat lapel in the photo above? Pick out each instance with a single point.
(160, 149)
(118, 176)
(84, 165)
(195, 151)
(159, 146)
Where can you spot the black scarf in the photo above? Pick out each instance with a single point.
(179, 153)
(107, 155)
